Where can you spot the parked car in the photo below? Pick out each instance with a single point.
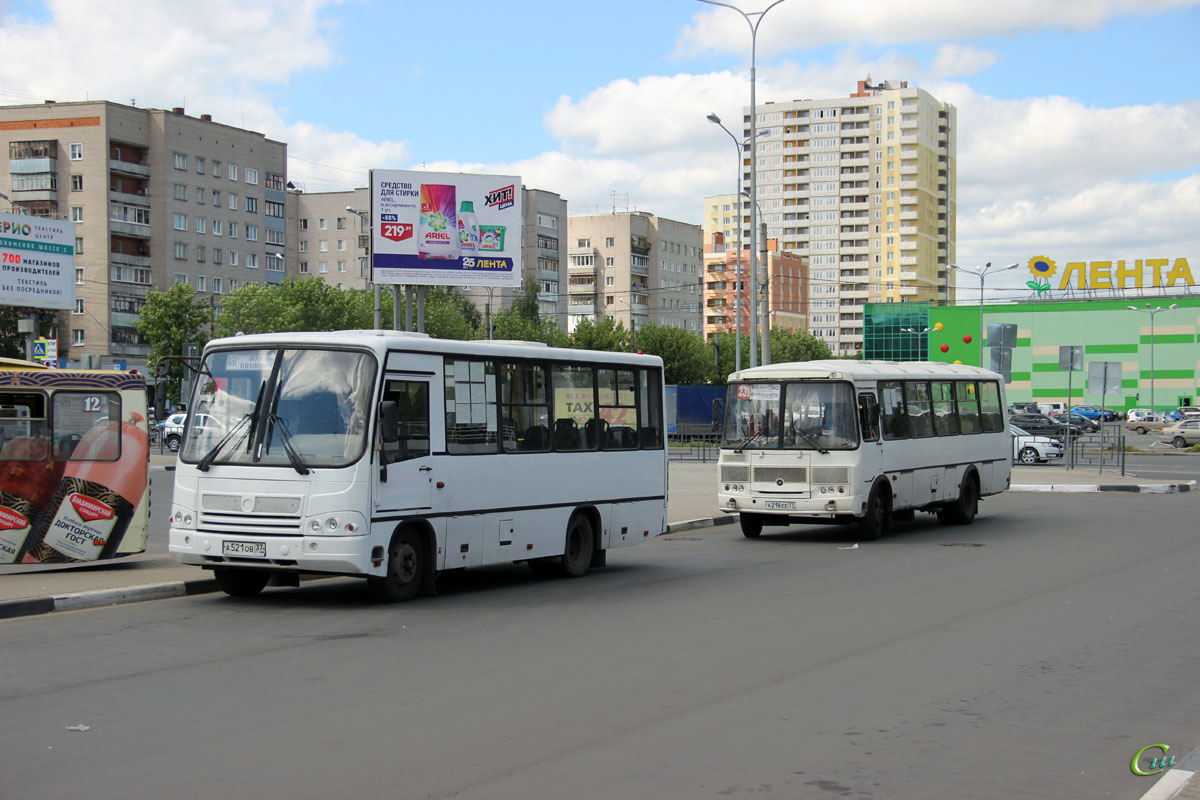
(1181, 413)
(1083, 423)
(1133, 414)
(1183, 434)
(1030, 449)
(1042, 425)
(1023, 408)
(1096, 412)
(172, 428)
(1147, 422)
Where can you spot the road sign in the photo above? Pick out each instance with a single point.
(46, 351)
(1070, 356)
(1104, 377)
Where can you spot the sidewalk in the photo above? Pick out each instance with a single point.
(154, 574)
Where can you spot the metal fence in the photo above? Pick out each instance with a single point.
(1105, 448)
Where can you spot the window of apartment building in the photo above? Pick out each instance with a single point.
(216, 255)
(364, 271)
(181, 251)
(233, 172)
(252, 205)
(199, 255)
(546, 221)
(216, 228)
(322, 224)
(76, 150)
(274, 237)
(252, 233)
(273, 182)
(304, 266)
(76, 213)
(252, 260)
(233, 262)
(341, 223)
(608, 261)
(199, 165)
(180, 191)
(79, 275)
(233, 284)
(216, 281)
(323, 267)
(341, 266)
(200, 195)
(78, 245)
(608, 241)
(201, 224)
(78, 306)
(608, 280)
(304, 224)
(323, 245)
(233, 202)
(181, 222)
(76, 183)
(216, 168)
(180, 161)
(251, 175)
(272, 209)
(77, 337)
(303, 245)
(585, 243)
(233, 230)
(181, 277)
(216, 198)
(201, 283)
(341, 245)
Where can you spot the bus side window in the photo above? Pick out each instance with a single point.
(894, 416)
(868, 416)
(650, 409)
(412, 415)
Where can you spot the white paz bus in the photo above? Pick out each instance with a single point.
(394, 456)
(861, 441)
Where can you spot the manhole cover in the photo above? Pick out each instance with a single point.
(962, 544)
(684, 539)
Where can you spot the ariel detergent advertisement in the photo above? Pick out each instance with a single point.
(445, 229)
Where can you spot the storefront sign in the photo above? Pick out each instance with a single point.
(1150, 273)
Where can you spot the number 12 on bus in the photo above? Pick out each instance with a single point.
(836, 442)
(393, 456)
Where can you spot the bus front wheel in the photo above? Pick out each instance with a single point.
(751, 525)
(405, 569)
(241, 582)
(577, 556)
(875, 522)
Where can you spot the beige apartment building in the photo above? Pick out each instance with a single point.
(863, 187)
(157, 197)
(787, 287)
(635, 268)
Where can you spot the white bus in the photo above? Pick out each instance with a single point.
(395, 456)
(834, 442)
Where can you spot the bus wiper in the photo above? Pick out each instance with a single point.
(812, 440)
(280, 424)
(747, 440)
(206, 462)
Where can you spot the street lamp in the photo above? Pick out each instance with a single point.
(753, 24)
(921, 332)
(737, 282)
(765, 307)
(632, 324)
(982, 274)
(1152, 312)
(365, 220)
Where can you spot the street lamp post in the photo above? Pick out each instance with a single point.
(753, 24)
(920, 333)
(764, 307)
(737, 281)
(365, 220)
(981, 274)
(1152, 312)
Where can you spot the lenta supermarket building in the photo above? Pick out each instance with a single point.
(1086, 304)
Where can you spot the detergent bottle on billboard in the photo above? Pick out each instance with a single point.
(468, 228)
(29, 474)
(437, 228)
(96, 498)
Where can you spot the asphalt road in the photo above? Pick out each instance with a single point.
(1029, 655)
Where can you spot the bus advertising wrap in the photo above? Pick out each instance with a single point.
(445, 229)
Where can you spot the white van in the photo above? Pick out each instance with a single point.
(1052, 408)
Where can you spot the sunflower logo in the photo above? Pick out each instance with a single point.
(1041, 268)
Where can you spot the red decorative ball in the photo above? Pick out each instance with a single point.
(945, 348)
(967, 338)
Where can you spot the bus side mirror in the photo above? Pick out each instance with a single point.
(716, 414)
(389, 421)
(160, 401)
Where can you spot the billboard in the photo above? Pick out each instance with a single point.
(37, 262)
(445, 228)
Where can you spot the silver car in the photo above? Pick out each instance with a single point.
(1030, 449)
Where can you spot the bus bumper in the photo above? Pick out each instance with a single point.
(344, 555)
(834, 505)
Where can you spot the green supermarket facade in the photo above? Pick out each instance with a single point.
(1106, 330)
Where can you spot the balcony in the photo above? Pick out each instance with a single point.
(579, 287)
(908, 276)
(909, 170)
(908, 185)
(588, 309)
(908, 245)
(908, 230)
(132, 261)
(909, 201)
(854, 250)
(129, 168)
(909, 291)
(129, 199)
(855, 294)
(909, 139)
(908, 261)
(133, 229)
(638, 269)
(907, 215)
(855, 279)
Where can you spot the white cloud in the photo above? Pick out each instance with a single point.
(816, 23)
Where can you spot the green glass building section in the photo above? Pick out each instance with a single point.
(1107, 330)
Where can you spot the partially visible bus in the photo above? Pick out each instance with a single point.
(394, 457)
(833, 442)
(73, 465)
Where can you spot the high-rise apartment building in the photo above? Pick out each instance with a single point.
(333, 242)
(157, 197)
(635, 268)
(864, 187)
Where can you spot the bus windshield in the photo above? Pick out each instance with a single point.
(280, 407)
(803, 415)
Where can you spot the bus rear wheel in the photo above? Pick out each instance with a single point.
(577, 553)
(961, 511)
(405, 569)
(241, 582)
(875, 522)
(752, 525)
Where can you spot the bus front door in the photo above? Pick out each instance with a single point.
(405, 479)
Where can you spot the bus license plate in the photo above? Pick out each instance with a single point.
(781, 505)
(244, 549)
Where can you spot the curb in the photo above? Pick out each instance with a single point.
(1174, 781)
(696, 524)
(104, 597)
(1149, 488)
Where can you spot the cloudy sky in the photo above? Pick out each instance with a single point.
(1079, 123)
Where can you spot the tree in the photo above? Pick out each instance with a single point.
(297, 304)
(684, 355)
(13, 344)
(509, 324)
(169, 320)
(602, 335)
(449, 314)
(797, 346)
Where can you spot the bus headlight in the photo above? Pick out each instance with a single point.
(343, 522)
(181, 517)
